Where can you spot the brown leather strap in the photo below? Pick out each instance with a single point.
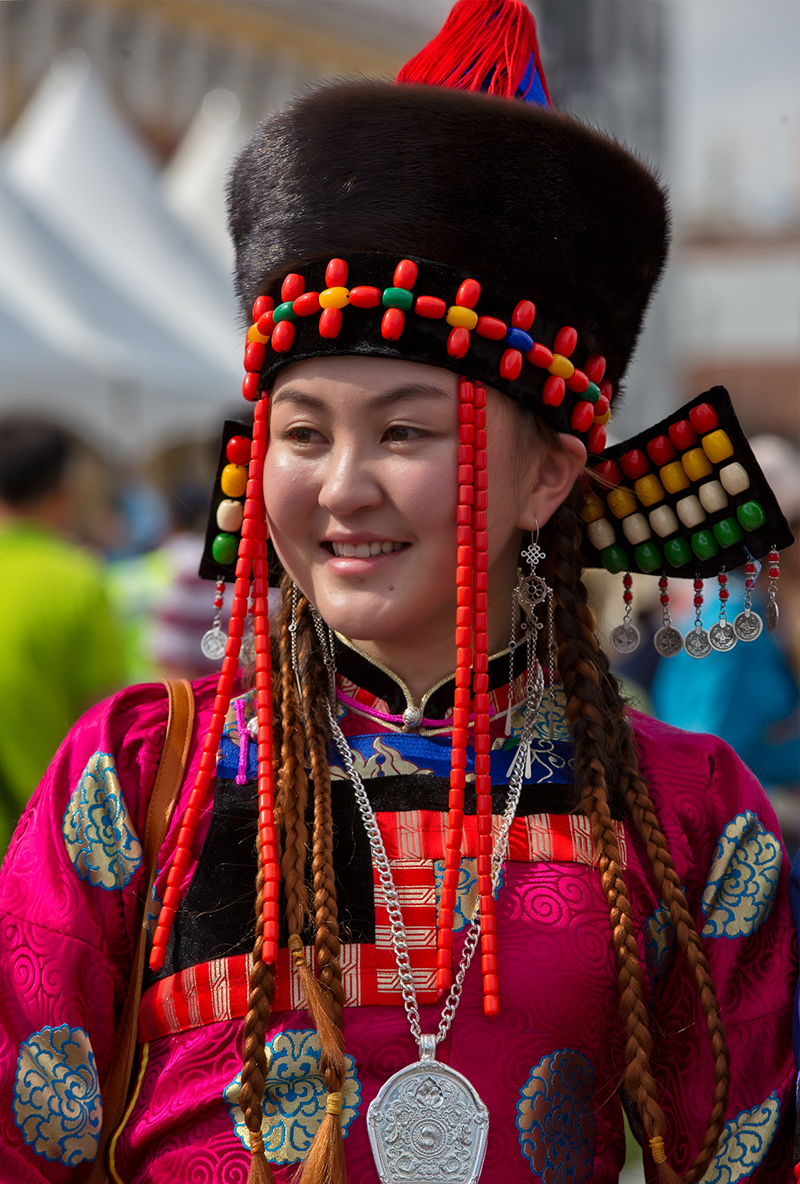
(162, 801)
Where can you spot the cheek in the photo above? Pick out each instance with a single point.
(288, 491)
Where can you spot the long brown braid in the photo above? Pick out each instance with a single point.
(602, 735)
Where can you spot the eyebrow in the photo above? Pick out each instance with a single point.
(412, 390)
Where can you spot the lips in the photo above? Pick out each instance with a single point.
(363, 550)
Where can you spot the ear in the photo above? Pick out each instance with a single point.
(556, 472)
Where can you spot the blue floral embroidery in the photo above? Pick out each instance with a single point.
(743, 878)
(555, 1118)
(57, 1103)
(659, 936)
(745, 1142)
(294, 1097)
(466, 890)
(99, 837)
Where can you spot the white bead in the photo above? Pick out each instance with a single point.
(690, 512)
(636, 528)
(601, 533)
(734, 478)
(713, 496)
(663, 521)
(229, 515)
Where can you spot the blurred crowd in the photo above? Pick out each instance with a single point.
(101, 590)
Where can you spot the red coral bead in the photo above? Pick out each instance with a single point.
(682, 434)
(540, 356)
(724, 593)
(523, 315)
(392, 324)
(282, 337)
(293, 286)
(553, 390)
(458, 342)
(606, 389)
(660, 450)
(263, 304)
(307, 304)
(601, 406)
(405, 274)
(582, 416)
(664, 599)
(607, 472)
(336, 274)
(703, 418)
(427, 306)
(596, 439)
(237, 450)
(491, 328)
(330, 322)
(254, 355)
(566, 340)
(774, 572)
(364, 296)
(250, 387)
(266, 323)
(595, 368)
(635, 463)
(579, 383)
(510, 364)
(468, 294)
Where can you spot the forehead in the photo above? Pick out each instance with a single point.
(351, 377)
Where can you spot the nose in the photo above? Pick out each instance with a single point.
(350, 481)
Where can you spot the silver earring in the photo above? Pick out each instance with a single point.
(325, 635)
(531, 591)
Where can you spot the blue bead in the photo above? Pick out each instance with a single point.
(518, 339)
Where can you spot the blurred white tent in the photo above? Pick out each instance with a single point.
(91, 182)
(194, 182)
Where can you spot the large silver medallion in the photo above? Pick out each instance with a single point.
(668, 641)
(748, 625)
(772, 616)
(213, 643)
(428, 1124)
(625, 638)
(696, 643)
(722, 636)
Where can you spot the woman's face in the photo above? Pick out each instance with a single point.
(360, 489)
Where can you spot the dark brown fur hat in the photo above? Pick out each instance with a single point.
(522, 198)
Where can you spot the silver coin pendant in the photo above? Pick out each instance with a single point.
(748, 625)
(213, 644)
(625, 638)
(428, 1124)
(696, 643)
(247, 653)
(773, 615)
(722, 636)
(668, 641)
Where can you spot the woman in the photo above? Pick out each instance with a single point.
(421, 264)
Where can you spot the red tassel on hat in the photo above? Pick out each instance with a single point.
(487, 45)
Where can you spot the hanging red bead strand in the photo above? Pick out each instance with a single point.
(480, 690)
(248, 550)
(458, 760)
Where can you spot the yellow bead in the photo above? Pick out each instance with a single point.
(604, 418)
(696, 464)
(254, 336)
(673, 477)
(621, 502)
(592, 508)
(334, 298)
(461, 318)
(233, 480)
(717, 446)
(562, 367)
(649, 489)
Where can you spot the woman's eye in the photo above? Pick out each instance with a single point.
(401, 433)
(300, 435)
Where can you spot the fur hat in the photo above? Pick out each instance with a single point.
(530, 202)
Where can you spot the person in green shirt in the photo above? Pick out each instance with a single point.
(61, 648)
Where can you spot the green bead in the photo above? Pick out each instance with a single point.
(592, 392)
(704, 545)
(284, 312)
(727, 532)
(225, 548)
(751, 515)
(648, 556)
(615, 559)
(677, 552)
(398, 298)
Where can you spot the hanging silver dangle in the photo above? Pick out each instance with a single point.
(772, 615)
(696, 641)
(625, 637)
(748, 623)
(667, 641)
(214, 639)
(722, 635)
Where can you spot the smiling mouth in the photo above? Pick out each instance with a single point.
(362, 550)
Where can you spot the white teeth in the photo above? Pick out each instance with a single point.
(375, 548)
(348, 549)
(387, 547)
(364, 550)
